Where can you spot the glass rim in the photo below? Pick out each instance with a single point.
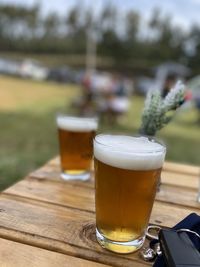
(113, 146)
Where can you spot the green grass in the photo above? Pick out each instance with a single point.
(28, 136)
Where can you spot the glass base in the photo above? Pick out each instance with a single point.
(75, 175)
(120, 247)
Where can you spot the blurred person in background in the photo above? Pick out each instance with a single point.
(105, 95)
(119, 102)
(168, 84)
(86, 106)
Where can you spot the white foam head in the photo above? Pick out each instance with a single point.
(126, 152)
(77, 124)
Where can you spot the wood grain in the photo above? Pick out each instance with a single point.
(181, 168)
(75, 196)
(65, 194)
(65, 225)
(173, 174)
(45, 213)
(69, 231)
(168, 166)
(55, 161)
(63, 230)
(52, 173)
(178, 195)
(13, 254)
(180, 179)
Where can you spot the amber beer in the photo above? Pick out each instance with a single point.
(76, 147)
(126, 175)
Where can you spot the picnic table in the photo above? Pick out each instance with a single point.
(45, 221)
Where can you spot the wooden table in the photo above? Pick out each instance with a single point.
(46, 222)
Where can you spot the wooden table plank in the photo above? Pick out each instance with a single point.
(168, 166)
(178, 195)
(180, 179)
(64, 230)
(13, 254)
(46, 212)
(174, 174)
(75, 196)
(52, 173)
(55, 161)
(64, 194)
(174, 167)
(69, 231)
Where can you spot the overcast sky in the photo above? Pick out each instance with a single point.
(183, 12)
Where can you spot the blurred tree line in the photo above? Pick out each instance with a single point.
(122, 38)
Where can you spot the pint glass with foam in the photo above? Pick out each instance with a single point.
(127, 171)
(76, 146)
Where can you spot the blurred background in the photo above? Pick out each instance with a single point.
(93, 58)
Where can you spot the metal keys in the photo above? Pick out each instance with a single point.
(150, 253)
(153, 232)
(176, 246)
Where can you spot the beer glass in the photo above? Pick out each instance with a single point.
(76, 146)
(127, 171)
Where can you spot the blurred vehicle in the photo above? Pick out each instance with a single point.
(32, 69)
(161, 73)
(172, 68)
(62, 74)
(9, 67)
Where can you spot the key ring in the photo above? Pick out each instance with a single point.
(150, 253)
(188, 231)
(157, 229)
(153, 228)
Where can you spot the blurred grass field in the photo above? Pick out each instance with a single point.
(28, 136)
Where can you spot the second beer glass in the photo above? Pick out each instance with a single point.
(76, 148)
(127, 170)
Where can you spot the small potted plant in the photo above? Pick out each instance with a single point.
(159, 111)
